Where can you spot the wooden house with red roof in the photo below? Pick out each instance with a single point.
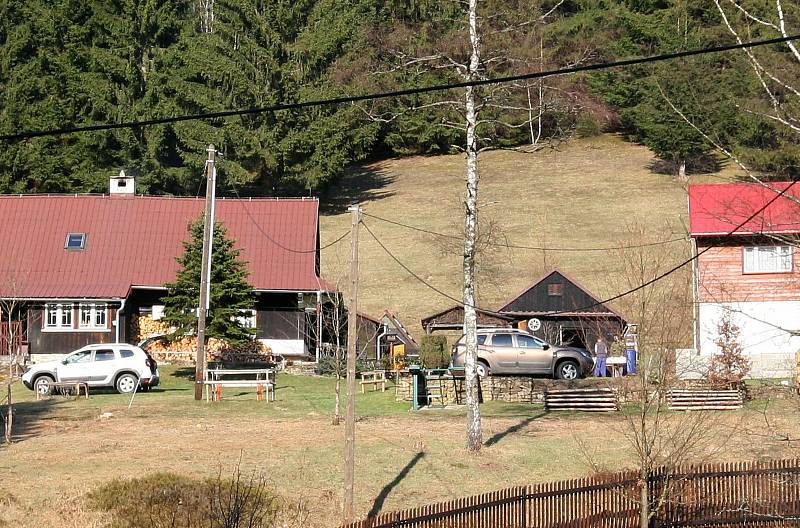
(83, 266)
(746, 269)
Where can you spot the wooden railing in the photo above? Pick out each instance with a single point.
(720, 495)
(5, 337)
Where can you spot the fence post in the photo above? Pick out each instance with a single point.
(523, 495)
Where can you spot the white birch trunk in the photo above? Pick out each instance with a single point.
(474, 436)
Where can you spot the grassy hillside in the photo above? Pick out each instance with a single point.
(589, 193)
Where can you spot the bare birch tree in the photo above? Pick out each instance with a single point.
(474, 434)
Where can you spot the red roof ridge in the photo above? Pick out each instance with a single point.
(162, 197)
(722, 208)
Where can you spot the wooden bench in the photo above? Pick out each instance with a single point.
(62, 386)
(373, 378)
(264, 380)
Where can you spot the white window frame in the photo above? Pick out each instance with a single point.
(96, 313)
(80, 247)
(61, 314)
(767, 259)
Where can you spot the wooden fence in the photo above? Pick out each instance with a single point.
(721, 495)
(5, 336)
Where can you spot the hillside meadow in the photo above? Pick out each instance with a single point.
(587, 193)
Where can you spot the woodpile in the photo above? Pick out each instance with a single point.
(184, 349)
(144, 326)
(704, 400)
(586, 400)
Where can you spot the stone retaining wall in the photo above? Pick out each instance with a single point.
(513, 389)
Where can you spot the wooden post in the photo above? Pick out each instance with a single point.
(205, 275)
(352, 336)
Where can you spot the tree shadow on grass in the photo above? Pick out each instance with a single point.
(513, 429)
(359, 185)
(186, 373)
(377, 504)
(30, 418)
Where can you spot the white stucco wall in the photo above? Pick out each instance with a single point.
(763, 334)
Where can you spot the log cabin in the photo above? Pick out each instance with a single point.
(746, 270)
(83, 269)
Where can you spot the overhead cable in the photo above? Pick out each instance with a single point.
(391, 94)
(518, 246)
(604, 301)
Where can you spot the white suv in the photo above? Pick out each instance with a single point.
(117, 365)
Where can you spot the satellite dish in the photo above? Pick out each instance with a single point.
(534, 324)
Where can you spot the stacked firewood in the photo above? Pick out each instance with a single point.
(143, 326)
(184, 349)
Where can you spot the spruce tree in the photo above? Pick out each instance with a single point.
(231, 294)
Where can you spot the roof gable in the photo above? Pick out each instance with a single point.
(717, 209)
(554, 292)
(133, 241)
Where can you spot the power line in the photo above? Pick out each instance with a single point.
(604, 301)
(516, 246)
(282, 246)
(394, 93)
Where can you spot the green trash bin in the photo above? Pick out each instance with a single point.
(417, 385)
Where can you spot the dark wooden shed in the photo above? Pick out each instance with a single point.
(566, 313)
(453, 319)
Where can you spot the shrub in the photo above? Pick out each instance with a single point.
(729, 366)
(433, 352)
(587, 125)
(166, 500)
(330, 365)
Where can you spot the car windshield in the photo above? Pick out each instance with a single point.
(82, 356)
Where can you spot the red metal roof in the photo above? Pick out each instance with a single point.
(134, 240)
(718, 208)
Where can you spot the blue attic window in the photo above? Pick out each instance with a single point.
(75, 241)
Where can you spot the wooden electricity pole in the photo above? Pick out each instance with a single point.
(205, 274)
(352, 336)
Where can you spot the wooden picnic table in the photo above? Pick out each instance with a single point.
(373, 378)
(264, 380)
(62, 386)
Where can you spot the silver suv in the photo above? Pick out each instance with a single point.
(511, 351)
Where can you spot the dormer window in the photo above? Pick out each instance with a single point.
(75, 241)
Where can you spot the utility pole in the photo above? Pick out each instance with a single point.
(352, 336)
(205, 274)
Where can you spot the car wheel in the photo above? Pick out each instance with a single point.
(567, 370)
(43, 385)
(483, 370)
(127, 383)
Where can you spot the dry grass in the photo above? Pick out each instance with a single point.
(580, 196)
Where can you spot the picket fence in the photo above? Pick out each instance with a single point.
(721, 495)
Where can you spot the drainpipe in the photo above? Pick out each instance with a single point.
(378, 342)
(319, 324)
(116, 318)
